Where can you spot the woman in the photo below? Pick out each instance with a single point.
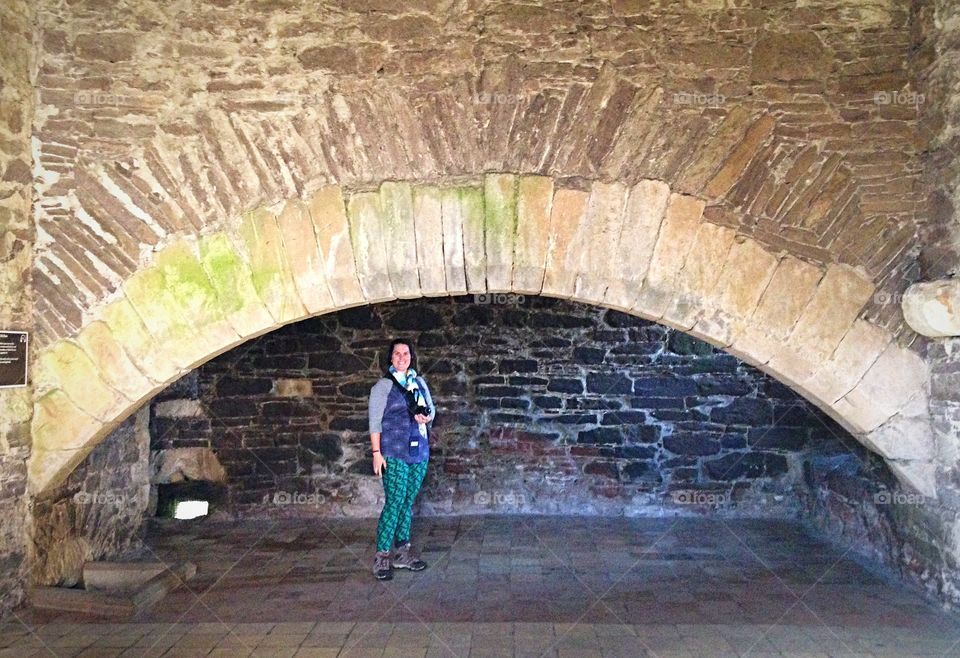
(401, 411)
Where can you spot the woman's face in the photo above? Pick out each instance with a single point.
(400, 359)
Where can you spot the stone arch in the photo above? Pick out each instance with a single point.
(641, 248)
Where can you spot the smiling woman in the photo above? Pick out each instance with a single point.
(401, 412)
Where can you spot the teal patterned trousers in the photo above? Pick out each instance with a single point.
(401, 484)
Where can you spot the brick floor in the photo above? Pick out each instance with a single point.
(509, 586)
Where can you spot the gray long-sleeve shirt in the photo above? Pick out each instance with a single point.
(378, 401)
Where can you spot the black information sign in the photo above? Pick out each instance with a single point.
(13, 358)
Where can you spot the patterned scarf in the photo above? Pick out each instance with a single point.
(409, 383)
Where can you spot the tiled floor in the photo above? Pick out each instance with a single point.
(510, 586)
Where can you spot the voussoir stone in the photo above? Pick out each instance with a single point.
(500, 227)
(454, 258)
(329, 216)
(303, 255)
(428, 222)
(65, 367)
(596, 240)
(115, 366)
(534, 201)
(230, 276)
(399, 235)
(269, 268)
(366, 232)
(566, 214)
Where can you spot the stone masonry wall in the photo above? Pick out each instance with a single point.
(796, 122)
(544, 406)
(16, 256)
(99, 512)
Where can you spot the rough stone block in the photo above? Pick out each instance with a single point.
(303, 255)
(454, 263)
(596, 240)
(116, 368)
(857, 351)
(699, 275)
(633, 249)
(500, 227)
(831, 311)
(567, 213)
(679, 227)
(534, 203)
(230, 277)
(129, 330)
(180, 307)
(269, 270)
(428, 220)
(399, 238)
(66, 367)
(332, 229)
(471, 213)
(892, 382)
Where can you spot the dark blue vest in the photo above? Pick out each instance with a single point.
(397, 427)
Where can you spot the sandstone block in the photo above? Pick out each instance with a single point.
(63, 435)
(832, 309)
(399, 236)
(328, 212)
(907, 436)
(699, 275)
(116, 368)
(471, 213)
(744, 277)
(679, 227)
(428, 222)
(65, 367)
(567, 213)
(366, 233)
(180, 307)
(303, 256)
(500, 227)
(454, 263)
(269, 269)
(534, 201)
(596, 240)
(232, 281)
(129, 330)
(633, 249)
(896, 377)
(857, 351)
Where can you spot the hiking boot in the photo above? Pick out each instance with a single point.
(381, 565)
(403, 558)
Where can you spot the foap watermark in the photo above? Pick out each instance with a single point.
(902, 97)
(496, 98)
(698, 497)
(283, 498)
(498, 499)
(882, 298)
(698, 98)
(94, 97)
(899, 498)
(111, 498)
(500, 298)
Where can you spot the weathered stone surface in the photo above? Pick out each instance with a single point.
(595, 241)
(676, 235)
(699, 275)
(534, 204)
(471, 213)
(896, 378)
(933, 308)
(269, 269)
(65, 367)
(831, 311)
(231, 279)
(116, 368)
(428, 222)
(303, 255)
(633, 249)
(180, 307)
(567, 213)
(129, 330)
(500, 229)
(791, 56)
(399, 238)
(857, 351)
(454, 260)
(329, 217)
(179, 464)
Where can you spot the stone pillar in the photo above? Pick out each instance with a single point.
(16, 255)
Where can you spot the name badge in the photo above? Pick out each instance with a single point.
(414, 444)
